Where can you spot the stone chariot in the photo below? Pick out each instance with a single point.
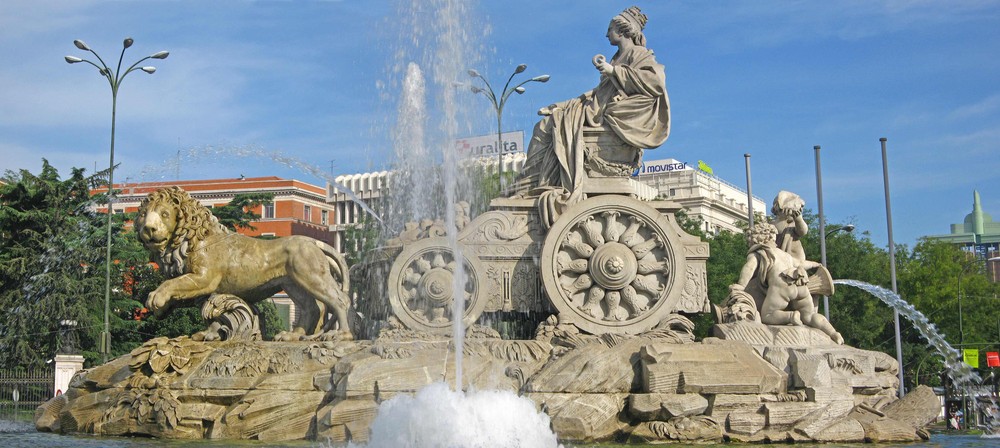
(611, 263)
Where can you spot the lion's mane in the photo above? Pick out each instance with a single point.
(194, 223)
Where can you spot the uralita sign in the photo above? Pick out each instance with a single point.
(486, 145)
(659, 166)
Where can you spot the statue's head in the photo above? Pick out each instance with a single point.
(785, 203)
(630, 23)
(763, 233)
(170, 223)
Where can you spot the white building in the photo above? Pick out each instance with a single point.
(719, 204)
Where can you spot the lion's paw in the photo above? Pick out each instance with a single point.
(288, 336)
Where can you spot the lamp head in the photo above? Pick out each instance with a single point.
(73, 59)
(79, 44)
(542, 78)
(520, 68)
(160, 55)
(127, 42)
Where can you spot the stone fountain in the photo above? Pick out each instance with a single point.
(615, 360)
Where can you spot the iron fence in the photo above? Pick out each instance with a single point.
(21, 391)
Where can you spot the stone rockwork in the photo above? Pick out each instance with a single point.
(654, 387)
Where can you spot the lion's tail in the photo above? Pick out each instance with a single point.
(338, 265)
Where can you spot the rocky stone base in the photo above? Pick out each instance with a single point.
(650, 388)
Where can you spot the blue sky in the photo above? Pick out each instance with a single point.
(317, 81)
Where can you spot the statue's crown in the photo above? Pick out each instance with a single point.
(635, 17)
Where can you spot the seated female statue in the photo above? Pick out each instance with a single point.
(630, 102)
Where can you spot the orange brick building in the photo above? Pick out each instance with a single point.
(299, 208)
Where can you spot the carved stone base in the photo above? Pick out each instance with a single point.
(650, 388)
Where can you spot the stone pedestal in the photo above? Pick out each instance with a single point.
(66, 367)
(650, 388)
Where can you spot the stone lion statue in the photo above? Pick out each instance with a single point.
(202, 258)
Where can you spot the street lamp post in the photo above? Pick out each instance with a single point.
(114, 80)
(822, 246)
(499, 103)
(892, 265)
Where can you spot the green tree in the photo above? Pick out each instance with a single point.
(238, 213)
(50, 255)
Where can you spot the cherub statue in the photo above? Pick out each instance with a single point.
(785, 281)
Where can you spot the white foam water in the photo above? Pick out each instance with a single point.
(438, 416)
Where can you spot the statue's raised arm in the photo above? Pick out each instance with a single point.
(602, 132)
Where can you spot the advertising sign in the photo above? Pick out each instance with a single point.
(993, 359)
(651, 167)
(486, 145)
(971, 357)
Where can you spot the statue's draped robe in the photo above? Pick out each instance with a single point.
(631, 102)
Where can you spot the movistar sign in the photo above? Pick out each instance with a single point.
(659, 166)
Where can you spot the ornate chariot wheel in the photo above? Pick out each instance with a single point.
(612, 264)
(422, 286)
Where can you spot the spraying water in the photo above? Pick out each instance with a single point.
(440, 417)
(960, 373)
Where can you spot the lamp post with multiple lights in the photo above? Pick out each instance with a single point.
(499, 102)
(114, 78)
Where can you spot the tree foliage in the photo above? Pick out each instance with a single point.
(50, 260)
(53, 246)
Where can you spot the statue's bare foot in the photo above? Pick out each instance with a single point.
(796, 318)
(838, 339)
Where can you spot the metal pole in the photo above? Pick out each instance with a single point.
(114, 80)
(746, 161)
(961, 348)
(961, 330)
(822, 226)
(892, 265)
(500, 169)
(106, 335)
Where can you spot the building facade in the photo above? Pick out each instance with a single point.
(978, 234)
(719, 204)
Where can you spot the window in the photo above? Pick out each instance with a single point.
(268, 211)
(324, 217)
(307, 212)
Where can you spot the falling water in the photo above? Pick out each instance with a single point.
(960, 373)
(414, 163)
(438, 415)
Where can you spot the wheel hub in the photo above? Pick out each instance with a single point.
(613, 265)
(436, 287)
